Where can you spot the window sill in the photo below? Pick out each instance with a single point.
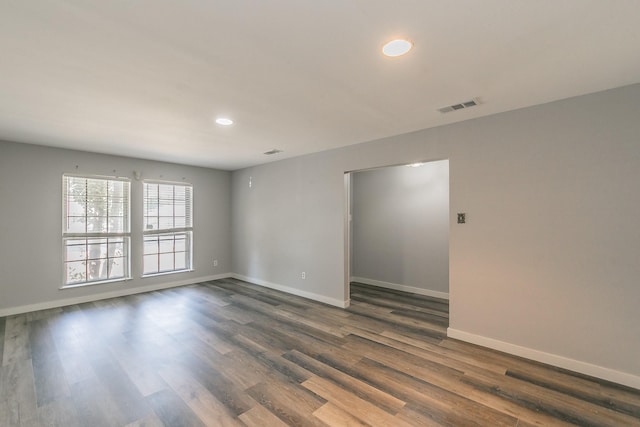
(165, 273)
(101, 282)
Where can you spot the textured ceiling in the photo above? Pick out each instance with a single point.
(147, 78)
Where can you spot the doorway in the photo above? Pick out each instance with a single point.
(397, 228)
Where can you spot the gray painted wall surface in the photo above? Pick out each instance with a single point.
(31, 220)
(400, 221)
(548, 258)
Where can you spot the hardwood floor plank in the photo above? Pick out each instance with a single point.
(437, 403)
(252, 339)
(333, 416)
(354, 386)
(44, 314)
(71, 338)
(17, 388)
(50, 381)
(439, 320)
(338, 353)
(60, 413)
(209, 294)
(16, 340)
(413, 415)
(285, 368)
(443, 351)
(289, 312)
(368, 371)
(172, 411)
(401, 360)
(238, 367)
(397, 299)
(259, 416)
(431, 373)
(225, 391)
(282, 336)
(227, 352)
(301, 319)
(215, 323)
(84, 396)
(393, 321)
(210, 338)
(243, 369)
(233, 312)
(9, 413)
(380, 304)
(140, 366)
(150, 420)
(122, 390)
(610, 395)
(203, 404)
(428, 352)
(325, 313)
(576, 387)
(76, 367)
(352, 404)
(260, 293)
(620, 397)
(293, 404)
(556, 404)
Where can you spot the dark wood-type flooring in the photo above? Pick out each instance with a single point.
(227, 353)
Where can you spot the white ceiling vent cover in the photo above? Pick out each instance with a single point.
(462, 105)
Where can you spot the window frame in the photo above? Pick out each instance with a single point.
(105, 237)
(160, 232)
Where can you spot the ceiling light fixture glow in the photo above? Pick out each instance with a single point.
(223, 121)
(415, 165)
(397, 47)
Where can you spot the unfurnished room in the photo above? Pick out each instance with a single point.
(319, 213)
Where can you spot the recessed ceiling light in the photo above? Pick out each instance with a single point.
(397, 47)
(223, 121)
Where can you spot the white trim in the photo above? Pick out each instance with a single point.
(398, 287)
(165, 273)
(309, 295)
(548, 358)
(105, 295)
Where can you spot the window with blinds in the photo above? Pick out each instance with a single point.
(96, 233)
(168, 227)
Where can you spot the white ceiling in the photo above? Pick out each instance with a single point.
(146, 78)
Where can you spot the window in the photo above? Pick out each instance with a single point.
(95, 232)
(168, 227)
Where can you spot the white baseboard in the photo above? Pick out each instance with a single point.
(106, 295)
(398, 287)
(548, 358)
(310, 295)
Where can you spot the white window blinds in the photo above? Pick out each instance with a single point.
(95, 230)
(168, 226)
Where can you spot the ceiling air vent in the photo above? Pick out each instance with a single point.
(274, 151)
(466, 104)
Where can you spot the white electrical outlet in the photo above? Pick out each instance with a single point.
(215, 262)
(303, 275)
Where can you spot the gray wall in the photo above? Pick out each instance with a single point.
(400, 221)
(548, 259)
(31, 221)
